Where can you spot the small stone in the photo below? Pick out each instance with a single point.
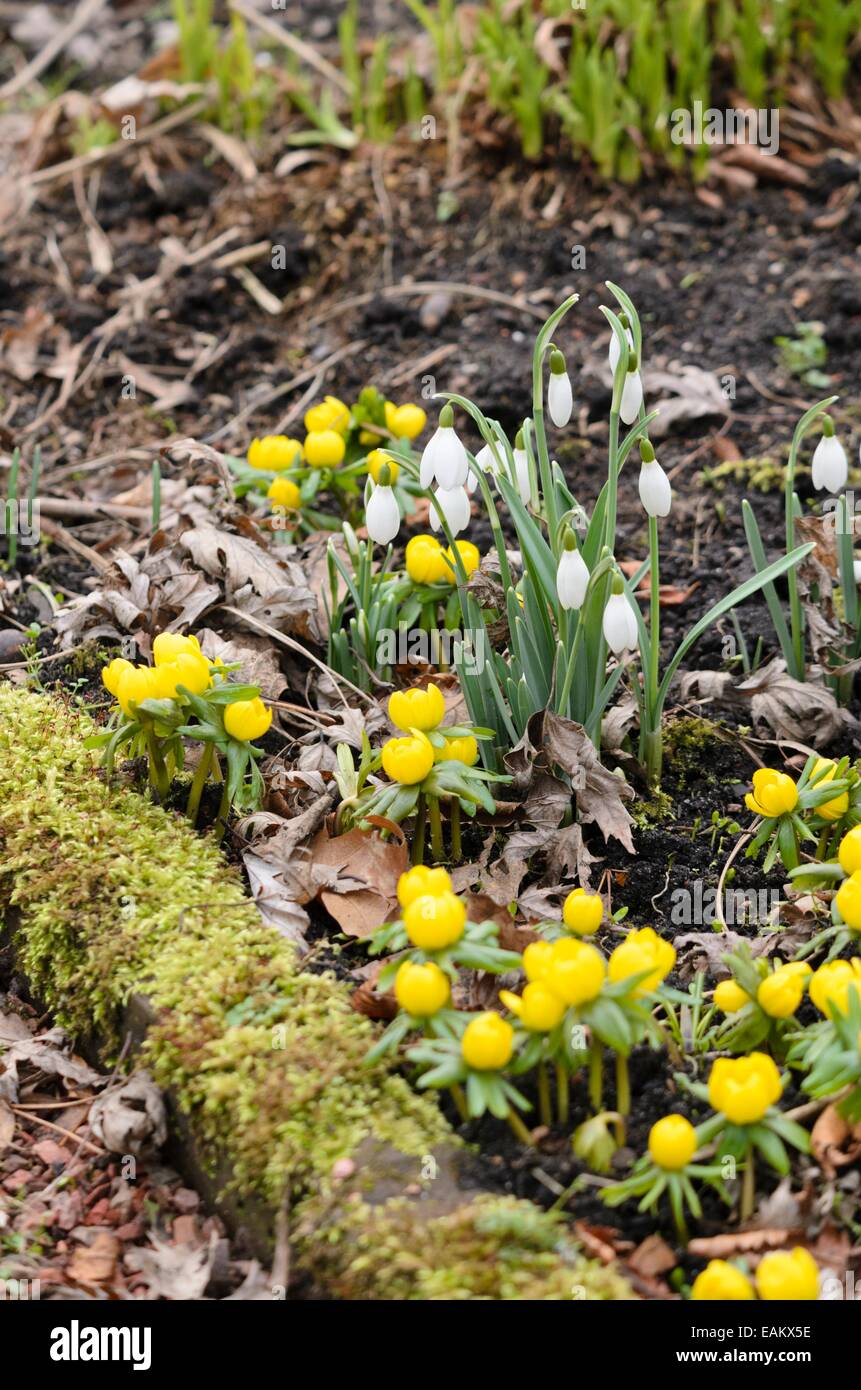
(343, 1168)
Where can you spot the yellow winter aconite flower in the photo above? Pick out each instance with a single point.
(422, 882)
(421, 989)
(575, 971)
(435, 921)
(274, 453)
(189, 669)
(832, 982)
(167, 646)
(743, 1088)
(774, 793)
(134, 686)
(405, 421)
(823, 771)
(417, 708)
(722, 1282)
(488, 1042)
(284, 493)
(792, 1275)
(376, 459)
(112, 672)
(781, 992)
(330, 414)
(408, 760)
(425, 561)
(470, 558)
(849, 901)
(583, 912)
(849, 852)
(247, 719)
(672, 1142)
(729, 997)
(642, 950)
(458, 750)
(537, 957)
(538, 1008)
(324, 449)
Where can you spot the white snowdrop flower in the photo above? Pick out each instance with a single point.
(619, 624)
(382, 514)
(486, 461)
(830, 465)
(455, 506)
(572, 575)
(856, 566)
(656, 494)
(632, 395)
(444, 458)
(615, 351)
(560, 399)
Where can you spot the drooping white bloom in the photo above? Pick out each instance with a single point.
(856, 567)
(615, 351)
(619, 624)
(455, 506)
(486, 461)
(560, 399)
(444, 458)
(572, 579)
(656, 494)
(830, 465)
(632, 397)
(521, 469)
(382, 515)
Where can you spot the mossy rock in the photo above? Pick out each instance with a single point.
(111, 900)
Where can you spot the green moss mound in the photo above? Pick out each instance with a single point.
(115, 897)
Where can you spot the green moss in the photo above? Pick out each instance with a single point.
(686, 741)
(489, 1248)
(114, 896)
(657, 810)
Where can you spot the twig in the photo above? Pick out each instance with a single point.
(86, 11)
(69, 542)
(266, 630)
(721, 881)
(272, 395)
(423, 287)
(67, 1133)
(119, 147)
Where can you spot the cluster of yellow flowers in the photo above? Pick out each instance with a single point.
(327, 429)
(782, 1275)
(428, 562)
(179, 662)
(417, 712)
(776, 794)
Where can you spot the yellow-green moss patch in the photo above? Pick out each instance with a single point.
(111, 897)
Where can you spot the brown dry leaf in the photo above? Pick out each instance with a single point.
(254, 581)
(257, 657)
(19, 347)
(174, 1271)
(804, 711)
(7, 1126)
(724, 1247)
(600, 1241)
(652, 1256)
(130, 1118)
(96, 1263)
(834, 1142)
(48, 1055)
(600, 793)
(694, 393)
(365, 869)
(725, 449)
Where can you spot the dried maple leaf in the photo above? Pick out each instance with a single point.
(834, 1142)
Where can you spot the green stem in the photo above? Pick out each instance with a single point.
(456, 1093)
(456, 853)
(518, 1128)
(437, 845)
(199, 782)
(544, 1095)
(418, 850)
(653, 743)
(223, 811)
(623, 1096)
(596, 1066)
(158, 771)
(562, 1093)
(748, 1186)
